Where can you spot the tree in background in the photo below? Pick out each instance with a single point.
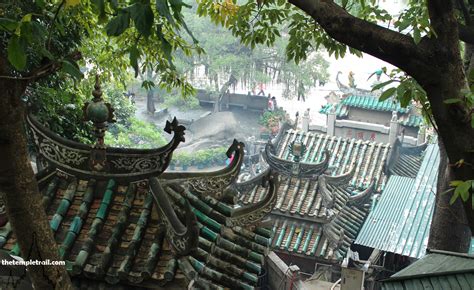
(250, 64)
(424, 42)
(41, 39)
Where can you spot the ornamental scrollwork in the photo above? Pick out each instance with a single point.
(142, 164)
(61, 154)
(213, 185)
(253, 213)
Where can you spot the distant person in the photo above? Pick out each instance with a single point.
(270, 104)
(274, 101)
(301, 92)
(261, 92)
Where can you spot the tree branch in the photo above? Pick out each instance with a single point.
(388, 45)
(45, 70)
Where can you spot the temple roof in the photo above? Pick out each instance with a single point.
(333, 200)
(411, 120)
(406, 161)
(118, 218)
(340, 154)
(437, 270)
(341, 109)
(373, 103)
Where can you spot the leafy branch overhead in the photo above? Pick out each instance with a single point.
(142, 33)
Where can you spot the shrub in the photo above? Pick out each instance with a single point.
(185, 104)
(138, 135)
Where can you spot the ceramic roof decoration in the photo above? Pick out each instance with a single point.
(341, 110)
(127, 222)
(324, 196)
(400, 223)
(437, 270)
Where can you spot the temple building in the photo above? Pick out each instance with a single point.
(362, 116)
(325, 194)
(120, 221)
(331, 186)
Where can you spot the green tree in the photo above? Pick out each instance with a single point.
(424, 43)
(249, 63)
(41, 38)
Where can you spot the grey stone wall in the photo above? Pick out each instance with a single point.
(362, 115)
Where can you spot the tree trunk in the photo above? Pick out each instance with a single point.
(150, 102)
(19, 189)
(449, 227)
(223, 91)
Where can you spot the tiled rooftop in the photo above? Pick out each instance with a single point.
(115, 232)
(373, 103)
(411, 120)
(367, 157)
(324, 213)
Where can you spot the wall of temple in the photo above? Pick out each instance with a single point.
(371, 116)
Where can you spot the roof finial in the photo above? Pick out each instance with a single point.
(100, 113)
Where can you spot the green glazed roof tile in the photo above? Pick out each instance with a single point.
(372, 103)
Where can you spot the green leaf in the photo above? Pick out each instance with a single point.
(454, 197)
(39, 31)
(381, 85)
(46, 53)
(99, 7)
(402, 25)
(416, 35)
(406, 98)
(452, 101)
(143, 17)
(72, 69)
(164, 10)
(16, 53)
(72, 2)
(401, 89)
(134, 56)
(455, 183)
(472, 120)
(165, 45)
(387, 94)
(26, 18)
(118, 24)
(178, 4)
(7, 24)
(463, 190)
